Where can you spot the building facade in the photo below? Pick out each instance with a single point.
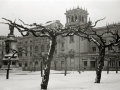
(2, 48)
(80, 53)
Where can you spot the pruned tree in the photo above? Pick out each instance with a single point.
(65, 55)
(9, 60)
(41, 31)
(98, 37)
(14, 52)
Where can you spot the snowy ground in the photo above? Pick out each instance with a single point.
(73, 81)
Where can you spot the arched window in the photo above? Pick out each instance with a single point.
(20, 64)
(42, 48)
(30, 50)
(76, 18)
(72, 19)
(68, 19)
(25, 64)
(79, 18)
(36, 62)
(26, 51)
(82, 19)
(36, 49)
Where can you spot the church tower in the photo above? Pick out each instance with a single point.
(76, 16)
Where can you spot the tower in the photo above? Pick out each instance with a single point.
(76, 16)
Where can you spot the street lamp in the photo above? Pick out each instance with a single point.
(7, 75)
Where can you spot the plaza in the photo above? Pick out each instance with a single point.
(26, 80)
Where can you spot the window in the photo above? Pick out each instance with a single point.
(30, 41)
(85, 63)
(82, 19)
(36, 49)
(26, 51)
(110, 48)
(71, 39)
(92, 64)
(30, 50)
(42, 48)
(79, 18)
(36, 63)
(93, 49)
(25, 64)
(75, 18)
(62, 44)
(119, 63)
(20, 52)
(72, 20)
(62, 62)
(68, 19)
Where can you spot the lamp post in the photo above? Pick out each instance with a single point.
(7, 75)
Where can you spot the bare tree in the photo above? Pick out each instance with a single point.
(65, 56)
(14, 52)
(42, 31)
(98, 37)
(9, 60)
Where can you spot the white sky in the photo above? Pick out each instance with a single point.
(41, 11)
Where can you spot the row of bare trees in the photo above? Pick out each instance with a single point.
(86, 31)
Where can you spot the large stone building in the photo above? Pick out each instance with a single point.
(85, 52)
(2, 48)
(35, 46)
(81, 53)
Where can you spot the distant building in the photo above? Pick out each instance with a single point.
(2, 48)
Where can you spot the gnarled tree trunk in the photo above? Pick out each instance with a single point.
(45, 78)
(100, 64)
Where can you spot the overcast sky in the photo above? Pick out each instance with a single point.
(41, 11)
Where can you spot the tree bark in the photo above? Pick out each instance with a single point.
(45, 78)
(41, 68)
(100, 64)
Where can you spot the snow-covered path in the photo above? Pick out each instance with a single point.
(73, 81)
